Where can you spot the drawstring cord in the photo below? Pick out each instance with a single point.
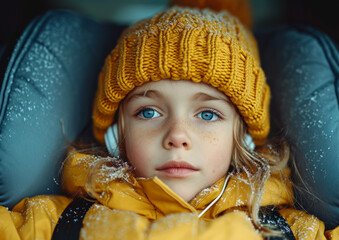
(217, 198)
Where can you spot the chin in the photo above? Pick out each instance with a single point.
(186, 196)
(185, 192)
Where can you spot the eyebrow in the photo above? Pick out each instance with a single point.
(146, 93)
(207, 97)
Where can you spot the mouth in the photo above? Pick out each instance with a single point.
(177, 169)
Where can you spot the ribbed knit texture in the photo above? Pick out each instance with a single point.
(188, 44)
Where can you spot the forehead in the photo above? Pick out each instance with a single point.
(168, 87)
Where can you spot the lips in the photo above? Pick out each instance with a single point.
(177, 169)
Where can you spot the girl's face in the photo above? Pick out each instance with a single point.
(181, 132)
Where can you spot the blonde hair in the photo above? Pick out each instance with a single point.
(269, 158)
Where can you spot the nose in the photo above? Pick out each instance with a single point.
(177, 137)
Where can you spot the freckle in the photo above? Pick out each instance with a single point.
(214, 141)
(211, 139)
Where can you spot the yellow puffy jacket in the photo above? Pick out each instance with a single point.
(148, 209)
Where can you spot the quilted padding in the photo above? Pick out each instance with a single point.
(302, 68)
(46, 98)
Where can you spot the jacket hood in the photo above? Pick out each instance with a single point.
(115, 187)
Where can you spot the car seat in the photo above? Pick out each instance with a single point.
(48, 84)
(302, 68)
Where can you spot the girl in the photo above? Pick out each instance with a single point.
(185, 93)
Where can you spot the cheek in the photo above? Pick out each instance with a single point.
(221, 162)
(138, 152)
(219, 152)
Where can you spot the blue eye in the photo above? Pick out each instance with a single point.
(208, 116)
(148, 113)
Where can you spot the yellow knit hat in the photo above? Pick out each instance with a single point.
(189, 44)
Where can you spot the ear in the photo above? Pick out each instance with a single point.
(248, 142)
(111, 141)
